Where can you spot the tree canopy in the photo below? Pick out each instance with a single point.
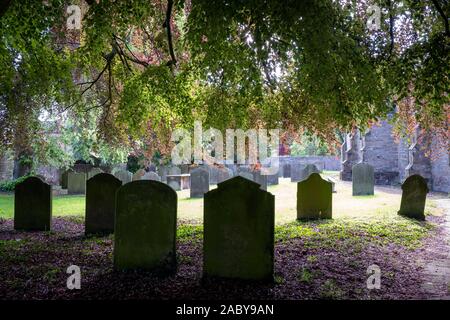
(144, 67)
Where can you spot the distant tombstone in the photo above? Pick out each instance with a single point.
(64, 177)
(260, 179)
(363, 179)
(138, 174)
(314, 198)
(173, 170)
(239, 231)
(93, 172)
(224, 174)
(199, 182)
(162, 172)
(123, 175)
(306, 171)
(32, 205)
(151, 176)
(184, 168)
(76, 183)
(145, 227)
(296, 172)
(414, 194)
(174, 182)
(287, 170)
(213, 174)
(101, 203)
(272, 179)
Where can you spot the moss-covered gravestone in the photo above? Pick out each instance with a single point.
(76, 183)
(414, 195)
(363, 179)
(101, 203)
(145, 227)
(238, 231)
(314, 198)
(199, 182)
(32, 205)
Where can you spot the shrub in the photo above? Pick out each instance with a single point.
(10, 185)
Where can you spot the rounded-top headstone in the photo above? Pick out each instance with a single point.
(32, 205)
(314, 198)
(414, 194)
(145, 226)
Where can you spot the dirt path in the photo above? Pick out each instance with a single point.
(437, 269)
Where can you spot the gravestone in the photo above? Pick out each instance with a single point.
(238, 237)
(199, 182)
(173, 170)
(224, 174)
(272, 179)
(260, 179)
(306, 171)
(286, 170)
(145, 227)
(123, 175)
(151, 176)
(93, 172)
(76, 183)
(32, 205)
(101, 203)
(296, 172)
(138, 174)
(314, 198)
(64, 178)
(363, 179)
(414, 194)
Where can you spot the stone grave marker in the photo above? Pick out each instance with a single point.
(239, 231)
(314, 198)
(414, 195)
(76, 183)
(199, 182)
(101, 203)
(145, 226)
(363, 179)
(151, 176)
(32, 205)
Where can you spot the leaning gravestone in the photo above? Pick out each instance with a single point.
(239, 231)
(93, 172)
(123, 175)
(76, 183)
(32, 205)
(101, 203)
(314, 198)
(199, 182)
(306, 171)
(151, 176)
(363, 179)
(414, 194)
(145, 227)
(138, 174)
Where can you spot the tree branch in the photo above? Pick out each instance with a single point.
(444, 17)
(166, 25)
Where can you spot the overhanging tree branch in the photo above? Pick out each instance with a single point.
(444, 17)
(166, 25)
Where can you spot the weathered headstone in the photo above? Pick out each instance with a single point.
(32, 205)
(239, 231)
(138, 174)
(93, 172)
(64, 178)
(414, 194)
(123, 175)
(199, 182)
(314, 198)
(260, 179)
(76, 183)
(173, 170)
(145, 227)
(286, 170)
(363, 179)
(101, 203)
(151, 176)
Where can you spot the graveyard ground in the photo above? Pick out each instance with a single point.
(313, 260)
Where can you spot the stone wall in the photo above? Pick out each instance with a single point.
(351, 154)
(380, 150)
(6, 167)
(440, 169)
